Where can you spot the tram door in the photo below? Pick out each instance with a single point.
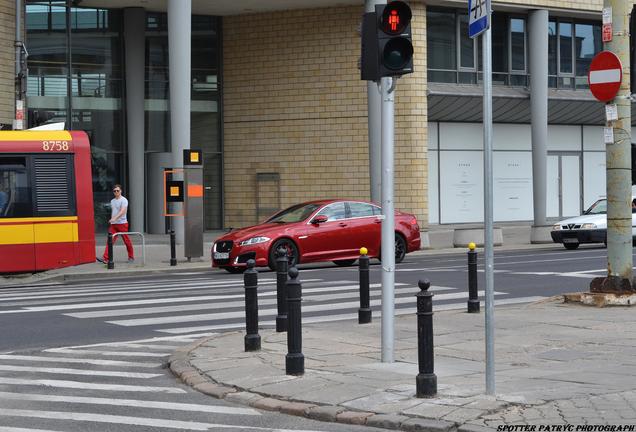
(564, 185)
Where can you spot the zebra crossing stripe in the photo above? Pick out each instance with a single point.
(68, 371)
(310, 308)
(175, 406)
(105, 353)
(98, 362)
(89, 386)
(341, 317)
(218, 305)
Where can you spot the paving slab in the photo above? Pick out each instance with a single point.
(554, 363)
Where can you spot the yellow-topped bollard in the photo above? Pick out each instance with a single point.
(471, 246)
(363, 251)
(473, 299)
(364, 313)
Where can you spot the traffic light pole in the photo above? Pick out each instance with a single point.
(619, 213)
(387, 87)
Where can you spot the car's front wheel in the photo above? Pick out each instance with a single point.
(290, 249)
(571, 246)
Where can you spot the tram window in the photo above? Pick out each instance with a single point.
(15, 190)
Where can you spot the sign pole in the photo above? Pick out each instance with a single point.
(488, 213)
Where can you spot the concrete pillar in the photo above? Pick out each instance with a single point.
(135, 47)
(179, 52)
(375, 132)
(538, 44)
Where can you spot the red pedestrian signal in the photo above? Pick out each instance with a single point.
(387, 48)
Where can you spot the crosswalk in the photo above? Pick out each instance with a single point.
(186, 305)
(111, 386)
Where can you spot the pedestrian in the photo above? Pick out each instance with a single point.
(4, 200)
(119, 223)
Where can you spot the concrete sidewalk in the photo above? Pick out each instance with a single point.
(556, 363)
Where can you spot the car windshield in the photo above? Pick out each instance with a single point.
(599, 207)
(295, 213)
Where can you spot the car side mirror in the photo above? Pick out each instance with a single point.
(319, 219)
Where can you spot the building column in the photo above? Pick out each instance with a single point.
(135, 47)
(179, 53)
(538, 41)
(374, 101)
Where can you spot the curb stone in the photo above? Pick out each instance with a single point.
(180, 366)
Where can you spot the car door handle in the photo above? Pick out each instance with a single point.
(342, 224)
(378, 221)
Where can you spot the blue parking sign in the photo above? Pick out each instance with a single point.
(478, 17)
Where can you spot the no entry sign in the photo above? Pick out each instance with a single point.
(605, 76)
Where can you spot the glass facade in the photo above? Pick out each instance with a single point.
(76, 76)
(452, 55)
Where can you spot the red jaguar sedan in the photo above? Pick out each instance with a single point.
(326, 230)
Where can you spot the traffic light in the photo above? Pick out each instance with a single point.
(387, 48)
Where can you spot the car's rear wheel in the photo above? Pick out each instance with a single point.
(344, 263)
(400, 249)
(290, 249)
(571, 246)
(234, 270)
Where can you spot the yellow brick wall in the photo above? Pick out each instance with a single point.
(585, 5)
(294, 105)
(7, 60)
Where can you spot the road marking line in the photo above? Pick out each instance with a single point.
(176, 406)
(69, 371)
(227, 305)
(89, 386)
(74, 360)
(265, 312)
(344, 317)
(105, 353)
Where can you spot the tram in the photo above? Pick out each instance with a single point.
(46, 200)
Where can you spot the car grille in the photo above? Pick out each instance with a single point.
(223, 246)
(571, 226)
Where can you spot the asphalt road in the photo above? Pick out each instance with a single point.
(91, 355)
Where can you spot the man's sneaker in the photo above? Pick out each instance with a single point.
(103, 261)
(131, 260)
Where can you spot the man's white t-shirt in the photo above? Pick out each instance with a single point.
(115, 207)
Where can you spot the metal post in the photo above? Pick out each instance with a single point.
(281, 290)
(488, 213)
(364, 313)
(109, 243)
(250, 281)
(426, 380)
(294, 360)
(173, 249)
(388, 223)
(473, 298)
(618, 161)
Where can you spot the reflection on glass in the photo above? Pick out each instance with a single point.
(588, 44)
(442, 45)
(552, 48)
(565, 47)
(467, 44)
(518, 44)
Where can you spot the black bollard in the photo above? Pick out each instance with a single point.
(364, 313)
(294, 360)
(109, 243)
(250, 279)
(426, 380)
(173, 253)
(473, 299)
(281, 290)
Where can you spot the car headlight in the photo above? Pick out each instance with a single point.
(556, 227)
(588, 226)
(254, 240)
